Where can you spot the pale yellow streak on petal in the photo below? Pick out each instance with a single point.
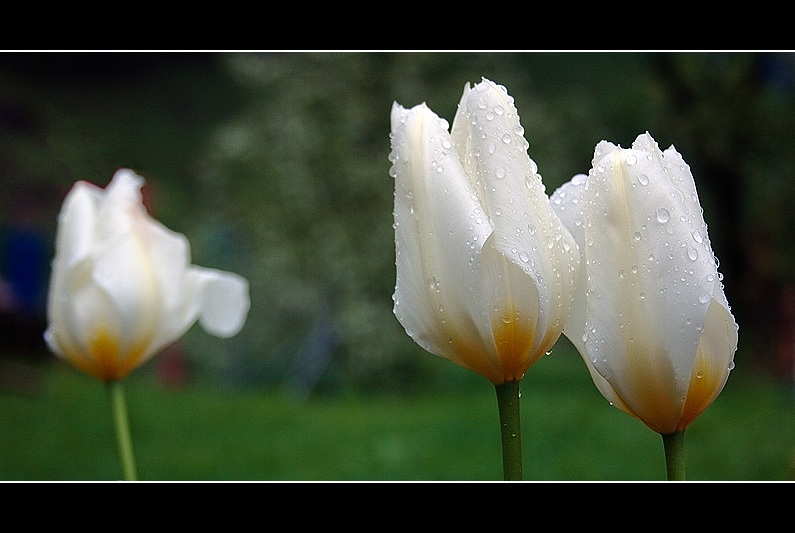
(465, 348)
(104, 360)
(471, 355)
(514, 338)
(650, 381)
(705, 383)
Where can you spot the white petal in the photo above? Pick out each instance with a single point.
(567, 203)
(76, 224)
(222, 297)
(713, 363)
(71, 268)
(124, 272)
(440, 227)
(496, 161)
(629, 298)
(526, 230)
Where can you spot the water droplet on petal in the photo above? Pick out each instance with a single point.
(663, 215)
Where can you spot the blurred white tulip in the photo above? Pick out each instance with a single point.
(485, 269)
(122, 287)
(650, 317)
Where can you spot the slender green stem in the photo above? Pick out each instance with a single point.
(674, 444)
(508, 395)
(123, 439)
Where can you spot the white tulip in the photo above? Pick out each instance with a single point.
(122, 286)
(485, 270)
(650, 318)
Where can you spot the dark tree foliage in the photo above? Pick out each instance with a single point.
(275, 165)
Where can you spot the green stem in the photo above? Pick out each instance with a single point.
(674, 444)
(508, 395)
(123, 439)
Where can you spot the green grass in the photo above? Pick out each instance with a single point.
(60, 429)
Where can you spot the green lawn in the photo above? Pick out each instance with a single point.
(59, 428)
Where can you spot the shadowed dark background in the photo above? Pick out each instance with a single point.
(275, 166)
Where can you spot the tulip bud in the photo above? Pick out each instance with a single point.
(485, 270)
(122, 287)
(650, 317)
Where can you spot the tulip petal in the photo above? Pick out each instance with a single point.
(222, 297)
(440, 226)
(489, 139)
(526, 229)
(567, 203)
(713, 363)
(651, 285)
(76, 223)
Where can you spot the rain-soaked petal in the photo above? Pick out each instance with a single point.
(647, 313)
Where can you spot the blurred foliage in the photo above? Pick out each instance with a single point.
(275, 166)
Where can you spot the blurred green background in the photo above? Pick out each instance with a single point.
(275, 166)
